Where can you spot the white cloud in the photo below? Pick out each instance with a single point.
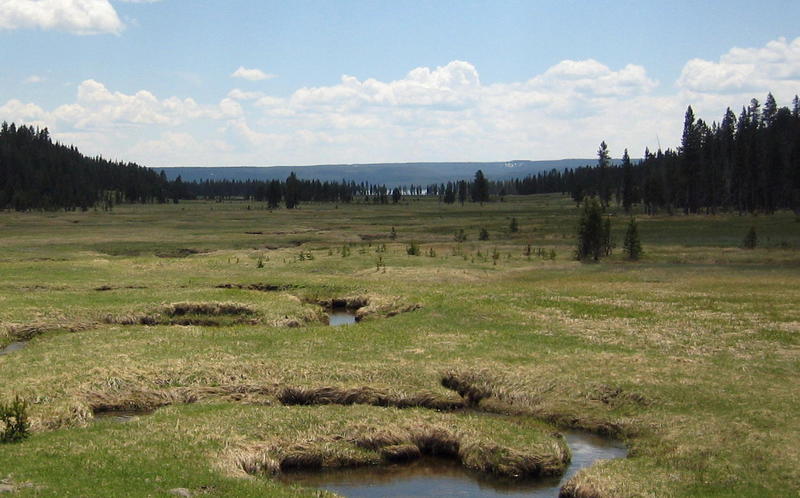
(20, 112)
(238, 94)
(83, 17)
(251, 74)
(774, 67)
(32, 79)
(98, 107)
(430, 114)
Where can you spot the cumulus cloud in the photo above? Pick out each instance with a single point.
(251, 74)
(98, 107)
(452, 85)
(21, 112)
(776, 67)
(33, 79)
(238, 94)
(430, 114)
(83, 17)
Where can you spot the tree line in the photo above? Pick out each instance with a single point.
(36, 173)
(749, 163)
(745, 164)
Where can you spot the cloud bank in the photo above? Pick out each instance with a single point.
(430, 114)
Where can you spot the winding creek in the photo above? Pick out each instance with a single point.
(428, 476)
(440, 477)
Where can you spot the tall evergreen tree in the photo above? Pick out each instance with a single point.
(292, 194)
(590, 231)
(603, 182)
(462, 191)
(627, 182)
(480, 188)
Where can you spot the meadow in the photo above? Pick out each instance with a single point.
(209, 317)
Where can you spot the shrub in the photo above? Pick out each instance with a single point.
(483, 235)
(14, 418)
(514, 227)
(412, 249)
(460, 236)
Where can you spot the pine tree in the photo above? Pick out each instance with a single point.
(292, 196)
(627, 182)
(462, 191)
(690, 158)
(590, 231)
(603, 182)
(632, 246)
(480, 188)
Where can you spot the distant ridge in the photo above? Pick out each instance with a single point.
(391, 174)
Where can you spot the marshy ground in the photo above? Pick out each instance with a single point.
(214, 315)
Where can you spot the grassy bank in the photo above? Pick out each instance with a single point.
(691, 355)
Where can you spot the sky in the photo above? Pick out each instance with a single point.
(262, 82)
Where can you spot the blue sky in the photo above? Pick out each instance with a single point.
(180, 82)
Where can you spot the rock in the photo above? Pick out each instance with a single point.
(180, 492)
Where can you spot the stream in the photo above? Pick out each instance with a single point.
(440, 477)
(340, 316)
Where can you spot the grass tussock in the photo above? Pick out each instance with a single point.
(211, 314)
(580, 487)
(365, 396)
(211, 309)
(369, 305)
(349, 302)
(480, 387)
(615, 395)
(261, 287)
(362, 444)
(466, 384)
(152, 399)
(182, 252)
(144, 400)
(27, 331)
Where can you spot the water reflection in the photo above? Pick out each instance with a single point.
(339, 316)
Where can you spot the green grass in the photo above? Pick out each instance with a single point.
(697, 342)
